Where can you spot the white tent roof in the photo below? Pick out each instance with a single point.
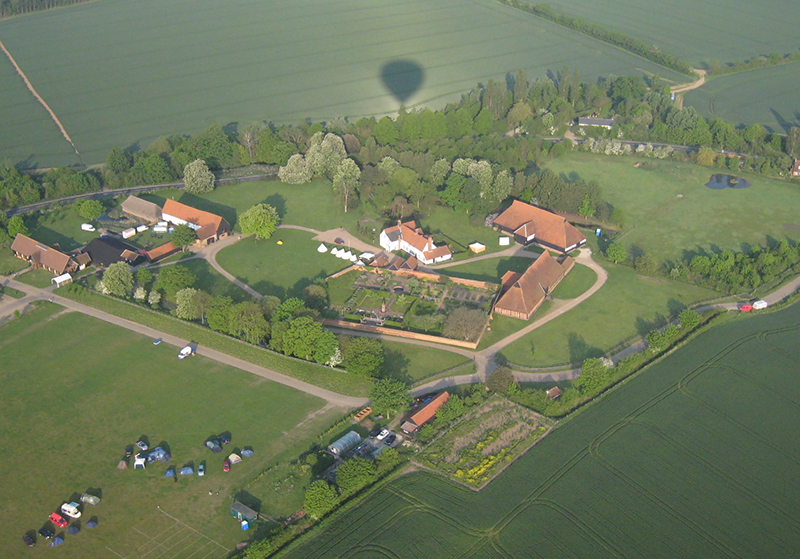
(234, 458)
(347, 255)
(58, 280)
(367, 256)
(322, 248)
(359, 263)
(335, 251)
(353, 258)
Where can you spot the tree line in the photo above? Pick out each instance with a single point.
(17, 7)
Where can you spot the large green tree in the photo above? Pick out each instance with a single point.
(354, 474)
(118, 279)
(364, 357)
(197, 177)
(186, 302)
(89, 209)
(390, 397)
(320, 499)
(183, 236)
(261, 220)
(301, 338)
(174, 278)
(16, 226)
(346, 180)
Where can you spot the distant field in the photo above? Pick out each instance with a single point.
(767, 96)
(696, 457)
(119, 72)
(726, 30)
(670, 227)
(76, 391)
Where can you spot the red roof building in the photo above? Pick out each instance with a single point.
(422, 416)
(522, 294)
(409, 237)
(207, 226)
(528, 224)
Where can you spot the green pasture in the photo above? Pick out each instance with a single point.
(78, 390)
(691, 458)
(490, 269)
(279, 270)
(37, 278)
(10, 263)
(698, 32)
(412, 363)
(672, 215)
(211, 281)
(579, 279)
(627, 305)
(767, 96)
(61, 226)
(119, 73)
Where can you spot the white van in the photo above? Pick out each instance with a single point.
(760, 304)
(71, 510)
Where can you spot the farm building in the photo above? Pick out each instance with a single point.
(208, 227)
(40, 255)
(241, 512)
(142, 209)
(394, 263)
(554, 393)
(529, 224)
(63, 279)
(409, 237)
(422, 416)
(162, 251)
(341, 446)
(105, 251)
(601, 122)
(523, 293)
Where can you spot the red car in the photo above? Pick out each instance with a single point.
(58, 520)
(226, 466)
(745, 307)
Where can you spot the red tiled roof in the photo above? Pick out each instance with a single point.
(40, 254)
(526, 220)
(426, 414)
(523, 295)
(210, 224)
(162, 251)
(412, 234)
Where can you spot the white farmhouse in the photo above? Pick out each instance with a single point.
(409, 237)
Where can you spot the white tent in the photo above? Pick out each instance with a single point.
(367, 256)
(335, 251)
(359, 263)
(61, 280)
(322, 248)
(234, 458)
(139, 462)
(347, 255)
(353, 258)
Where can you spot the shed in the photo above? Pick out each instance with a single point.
(554, 393)
(505, 241)
(240, 511)
(128, 233)
(142, 209)
(477, 248)
(61, 280)
(341, 446)
(425, 414)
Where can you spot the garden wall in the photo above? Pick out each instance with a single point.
(399, 333)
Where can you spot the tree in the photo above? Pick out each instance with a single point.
(150, 168)
(465, 324)
(387, 461)
(364, 357)
(174, 278)
(320, 499)
(518, 114)
(501, 187)
(500, 380)
(616, 253)
(198, 178)
(247, 321)
(594, 375)
(386, 133)
(793, 142)
(89, 209)
(706, 156)
(182, 236)
(118, 279)
(186, 304)
(143, 276)
(325, 154)
(118, 161)
(346, 180)
(689, 319)
(301, 338)
(327, 351)
(154, 299)
(389, 397)
(16, 226)
(296, 171)
(354, 474)
(140, 294)
(261, 220)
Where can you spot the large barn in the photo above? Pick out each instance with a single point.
(529, 224)
(40, 255)
(523, 293)
(207, 227)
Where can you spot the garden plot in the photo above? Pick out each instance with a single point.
(486, 441)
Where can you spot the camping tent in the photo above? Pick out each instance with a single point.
(353, 258)
(91, 524)
(234, 458)
(123, 464)
(214, 446)
(248, 452)
(359, 263)
(367, 256)
(322, 248)
(90, 499)
(73, 529)
(56, 541)
(187, 471)
(159, 454)
(170, 472)
(335, 251)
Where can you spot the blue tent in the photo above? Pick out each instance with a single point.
(170, 472)
(56, 541)
(91, 524)
(159, 454)
(187, 471)
(248, 452)
(73, 530)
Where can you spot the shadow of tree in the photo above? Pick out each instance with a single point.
(396, 366)
(579, 349)
(278, 202)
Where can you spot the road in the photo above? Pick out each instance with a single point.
(34, 293)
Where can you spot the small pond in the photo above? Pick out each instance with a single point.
(718, 182)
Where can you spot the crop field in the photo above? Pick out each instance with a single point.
(671, 214)
(767, 96)
(119, 73)
(77, 390)
(698, 32)
(695, 457)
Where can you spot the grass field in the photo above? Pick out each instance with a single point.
(695, 457)
(77, 390)
(10, 263)
(211, 281)
(279, 270)
(727, 31)
(37, 278)
(669, 227)
(412, 363)
(628, 304)
(577, 282)
(116, 73)
(765, 96)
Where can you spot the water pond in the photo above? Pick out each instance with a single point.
(718, 182)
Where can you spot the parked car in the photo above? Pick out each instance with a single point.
(129, 451)
(45, 533)
(226, 465)
(213, 445)
(29, 541)
(58, 520)
(186, 352)
(141, 445)
(201, 470)
(224, 439)
(374, 433)
(745, 307)
(383, 434)
(157, 341)
(71, 510)
(760, 305)
(390, 439)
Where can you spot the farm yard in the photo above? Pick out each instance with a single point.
(121, 74)
(78, 390)
(690, 458)
(670, 213)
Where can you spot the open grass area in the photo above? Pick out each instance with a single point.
(627, 305)
(10, 263)
(503, 326)
(78, 390)
(36, 278)
(767, 96)
(119, 74)
(61, 226)
(579, 279)
(489, 270)
(335, 380)
(687, 459)
(412, 363)
(701, 219)
(211, 281)
(279, 270)
(698, 33)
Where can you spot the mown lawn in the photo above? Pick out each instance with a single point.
(10, 263)
(279, 270)
(37, 278)
(627, 305)
(489, 270)
(579, 279)
(77, 390)
(412, 363)
(211, 281)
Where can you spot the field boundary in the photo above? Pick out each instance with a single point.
(38, 97)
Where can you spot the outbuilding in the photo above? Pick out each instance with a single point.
(63, 279)
(341, 446)
(240, 512)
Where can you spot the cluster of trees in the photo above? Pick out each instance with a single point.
(19, 189)
(9, 227)
(577, 197)
(17, 7)
(716, 68)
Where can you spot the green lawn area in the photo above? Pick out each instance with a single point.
(93, 388)
(60, 226)
(701, 219)
(36, 278)
(503, 326)
(690, 458)
(577, 282)
(10, 263)
(211, 281)
(489, 270)
(452, 227)
(412, 363)
(11, 292)
(341, 289)
(627, 305)
(279, 270)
